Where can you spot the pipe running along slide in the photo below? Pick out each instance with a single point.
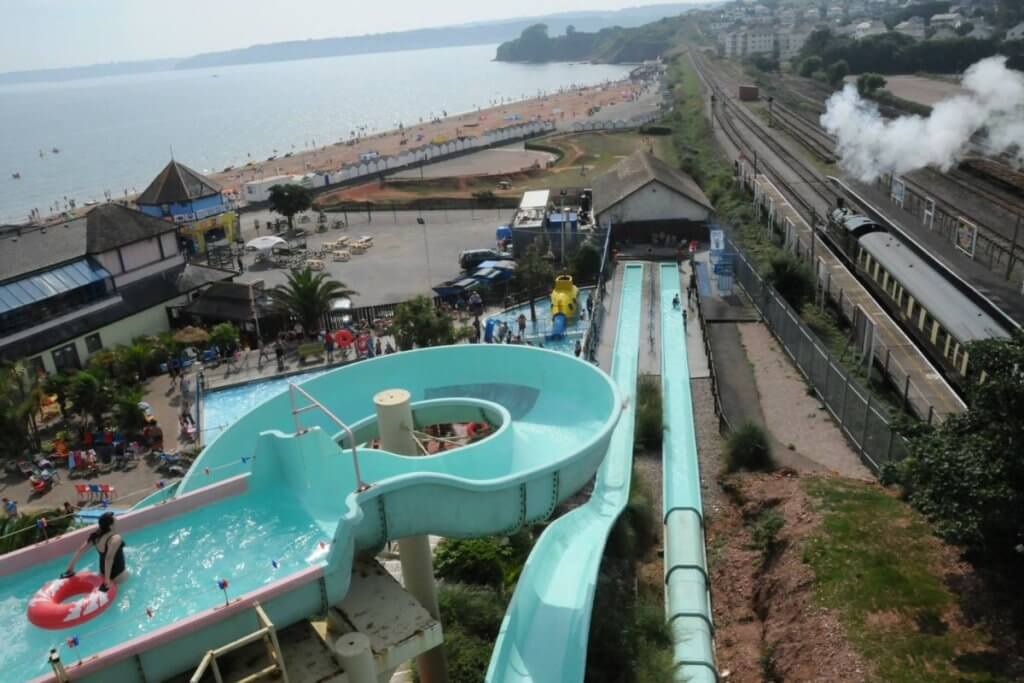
(687, 589)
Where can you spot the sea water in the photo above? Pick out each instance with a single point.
(174, 567)
(117, 133)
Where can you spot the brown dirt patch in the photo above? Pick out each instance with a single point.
(768, 625)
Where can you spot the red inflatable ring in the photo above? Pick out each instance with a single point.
(47, 608)
(343, 338)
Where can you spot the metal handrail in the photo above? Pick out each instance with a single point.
(314, 403)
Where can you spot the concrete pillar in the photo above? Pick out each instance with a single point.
(395, 425)
(356, 656)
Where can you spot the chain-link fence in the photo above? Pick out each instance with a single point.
(861, 418)
(838, 285)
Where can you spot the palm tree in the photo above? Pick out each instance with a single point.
(307, 296)
(90, 396)
(19, 400)
(289, 200)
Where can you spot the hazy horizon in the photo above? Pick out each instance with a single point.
(47, 34)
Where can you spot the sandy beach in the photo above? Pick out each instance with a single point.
(562, 107)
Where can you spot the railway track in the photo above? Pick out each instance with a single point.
(922, 189)
(807, 133)
(730, 113)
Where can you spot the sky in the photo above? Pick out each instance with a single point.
(39, 34)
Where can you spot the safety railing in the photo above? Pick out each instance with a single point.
(314, 404)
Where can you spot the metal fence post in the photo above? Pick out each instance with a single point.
(867, 414)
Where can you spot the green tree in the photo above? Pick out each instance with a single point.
(810, 66)
(534, 273)
(132, 362)
(58, 384)
(967, 475)
(128, 416)
(837, 71)
(867, 83)
(224, 335)
(18, 402)
(418, 323)
(90, 396)
(586, 262)
(307, 296)
(289, 200)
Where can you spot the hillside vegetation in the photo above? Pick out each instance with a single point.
(614, 45)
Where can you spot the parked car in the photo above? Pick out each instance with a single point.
(471, 258)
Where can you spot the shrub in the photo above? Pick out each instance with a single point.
(791, 278)
(586, 262)
(468, 655)
(649, 424)
(493, 561)
(477, 610)
(765, 530)
(810, 66)
(747, 449)
(633, 535)
(224, 335)
(473, 560)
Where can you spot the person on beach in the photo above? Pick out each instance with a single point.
(110, 547)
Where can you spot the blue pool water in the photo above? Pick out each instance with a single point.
(174, 569)
(222, 407)
(536, 332)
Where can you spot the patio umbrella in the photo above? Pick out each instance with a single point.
(265, 243)
(191, 335)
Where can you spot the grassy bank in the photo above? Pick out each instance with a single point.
(877, 564)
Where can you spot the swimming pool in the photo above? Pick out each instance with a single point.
(536, 332)
(223, 407)
(174, 567)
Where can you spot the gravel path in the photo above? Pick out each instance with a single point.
(795, 419)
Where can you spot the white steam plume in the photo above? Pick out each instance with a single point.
(871, 146)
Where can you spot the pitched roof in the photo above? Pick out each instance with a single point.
(109, 226)
(637, 170)
(26, 249)
(177, 183)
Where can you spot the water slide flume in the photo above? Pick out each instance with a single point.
(554, 414)
(687, 591)
(544, 634)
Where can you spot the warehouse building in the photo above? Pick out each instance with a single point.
(643, 196)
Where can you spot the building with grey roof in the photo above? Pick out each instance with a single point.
(642, 195)
(72, 288)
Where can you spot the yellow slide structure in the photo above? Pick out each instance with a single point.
(564, 304)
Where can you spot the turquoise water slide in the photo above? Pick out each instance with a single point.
(279, 511)
(687, 590)
(545, 631)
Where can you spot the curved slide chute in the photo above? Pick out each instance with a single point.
(546, 628)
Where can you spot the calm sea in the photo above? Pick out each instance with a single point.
(117, 133)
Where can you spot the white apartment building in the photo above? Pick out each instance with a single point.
(741, 44)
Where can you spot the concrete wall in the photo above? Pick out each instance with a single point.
(654, 202)
(148, 322)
